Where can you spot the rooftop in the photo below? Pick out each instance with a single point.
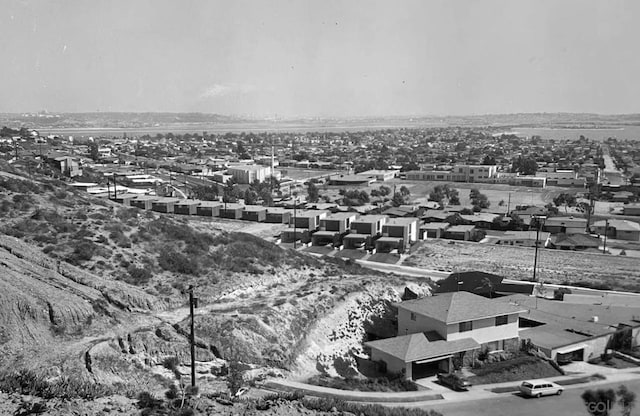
(457, 307)
(620, 225)
(415, 347)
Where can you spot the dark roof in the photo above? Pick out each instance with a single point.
(456, 307)
(574, 240)
(415, 347)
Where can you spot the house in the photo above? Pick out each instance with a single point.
(573, 242)
(209, 209)
(618, 229)
(480, 219)
(187, 206)
(566, 331)
(621, 196)
(410, 223)
(433, 230)
(125, 199)
(517, 238)
(256, 213)
(164, 205)
(565, 225)
(631, 209)
(68, 165)
(231, 211)
(332, 227)
(445, 331)
(307, 219)
(433, 215)
(460, 232)
(143, 202)
(368, 224)
(278, 215)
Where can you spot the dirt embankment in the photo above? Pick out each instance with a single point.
(554, 266)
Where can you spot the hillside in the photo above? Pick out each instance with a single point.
(93, 295)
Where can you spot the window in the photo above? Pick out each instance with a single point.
(502, 320)
(465, 326)
(413, 316)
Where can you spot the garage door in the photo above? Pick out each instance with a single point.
(425, 369)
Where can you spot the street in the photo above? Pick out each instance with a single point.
(569, 403)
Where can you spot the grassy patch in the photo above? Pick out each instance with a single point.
(370, 384)
(506, 389)
(580, 380)
(519, 368)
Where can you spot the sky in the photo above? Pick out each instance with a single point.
(349, 58)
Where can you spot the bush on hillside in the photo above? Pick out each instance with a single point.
(172, 261)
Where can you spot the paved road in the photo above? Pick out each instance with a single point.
(404, 270)
(569, 403)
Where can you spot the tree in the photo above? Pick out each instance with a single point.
(250, 197)
(524, 165)
(568, 200)
(385, 190)
(559, 293)
(599, 402)
(407, 167)
(478, 200)
(205, 193)
(488, 160)
(404, 191)
(93, 151)
(313, 191)
(229, 192)
(235, 378)
(626, 400)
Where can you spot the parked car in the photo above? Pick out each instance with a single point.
(539, 388)
(454, 381)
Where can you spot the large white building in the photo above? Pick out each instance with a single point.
(459, 173)
(249, 173)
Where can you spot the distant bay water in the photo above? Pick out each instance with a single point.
(620, 133)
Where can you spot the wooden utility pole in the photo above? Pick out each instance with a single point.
(606, 229)
(192, 339)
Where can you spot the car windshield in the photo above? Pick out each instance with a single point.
(525, 384)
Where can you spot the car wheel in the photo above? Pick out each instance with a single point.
(559, 392)
(538, 395)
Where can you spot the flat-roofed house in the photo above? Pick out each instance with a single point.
(631, 209)
(410, 223)
(433, 230)
(143, 202)
(164, 205)
(332, 228)
(209, 209)
(125, 199)
(231, 211)
(278, 215)
(187, 206)
(440, 332)
(307, 219)
(460, 232)
(256, 213)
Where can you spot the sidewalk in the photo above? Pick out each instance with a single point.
(438, 394)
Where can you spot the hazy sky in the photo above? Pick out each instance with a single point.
(324, 58)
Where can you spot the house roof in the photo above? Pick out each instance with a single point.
(415, 347)
(456, 307)
(368, 219)
(401, 221)
(460, 228)
(619, 225)
(574, 240)
(434, 225)
(566, 221)
(480, 217)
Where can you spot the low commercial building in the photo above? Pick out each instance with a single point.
(351, 180)
(278, 215)
(380, 175)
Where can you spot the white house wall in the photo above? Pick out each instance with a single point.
(484, 330)
(421, 324)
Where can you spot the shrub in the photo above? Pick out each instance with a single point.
(173, 261)
(559, 293)
(138, 275)
(28, 382)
